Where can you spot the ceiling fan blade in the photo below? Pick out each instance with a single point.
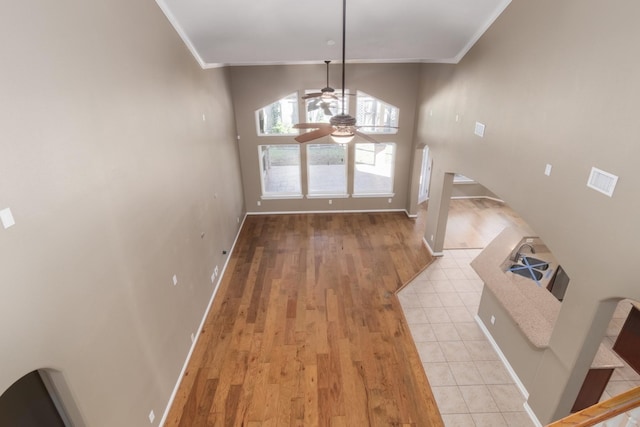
(312, 95)
(365, 136)
(318, 133)
(312, 126)
(314, 104)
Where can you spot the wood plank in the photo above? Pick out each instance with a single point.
(304, 329)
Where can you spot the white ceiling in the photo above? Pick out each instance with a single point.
(249, 32)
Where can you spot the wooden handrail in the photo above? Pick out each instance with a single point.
(601, 411)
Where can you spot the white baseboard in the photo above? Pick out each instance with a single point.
(436, 254)
(327, 212)
(410, 215)
(477, 197)
(533, 417)
(510, 369)
(199, 331)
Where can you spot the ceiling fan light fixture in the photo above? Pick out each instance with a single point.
(342, 135)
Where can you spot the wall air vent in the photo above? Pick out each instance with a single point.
(602, 181)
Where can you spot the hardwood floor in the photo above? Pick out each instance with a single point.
(306, 329)
(474, 223)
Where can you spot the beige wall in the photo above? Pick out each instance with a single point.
(554, 82)
(256, 87)
(112, 175)
(471, 190)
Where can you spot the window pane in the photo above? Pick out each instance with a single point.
(327, 168)
(317, 108)
(374, 168)
(279, 117)
(372, 111)
(280, 169)
(461, 178)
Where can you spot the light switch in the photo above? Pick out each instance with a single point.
(547, 169)
(175, 280)
(7, 218)
(479, 130)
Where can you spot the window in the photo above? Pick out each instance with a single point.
(374, 166)
(317, 108)
(327, 169)
(461, 179)
(279, 117)
(280, 170)
(372, 111)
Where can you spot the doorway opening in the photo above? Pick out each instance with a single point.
(425, 176)
(31, 402)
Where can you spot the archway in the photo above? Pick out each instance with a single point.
(31, 401)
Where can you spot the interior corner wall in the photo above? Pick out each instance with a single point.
(554, 83)
(120, 166)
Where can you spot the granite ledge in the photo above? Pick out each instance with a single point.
(532, 308)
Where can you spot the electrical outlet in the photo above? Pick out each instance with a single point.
(259, 203)
(390, 200)
(193, 337)
(7, 218)
(493, 319)
(238, 220)
(479, 130)
(175, 280)
(215, 270)
(330, 201)
(204, 118)
(213, 277)
(431, 238)
(152, 416)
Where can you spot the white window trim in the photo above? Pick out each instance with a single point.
(257, 120)
(387, 131)
(270, 135)
(372, 195)
(465, 180)
(273, 196)
(393, 176)
(328, 196)
(284, 195)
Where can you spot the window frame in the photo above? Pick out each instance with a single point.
(391, 130)
(338, 93)
(327, 194)
(295, 116)
(361, 194)
(265, 195)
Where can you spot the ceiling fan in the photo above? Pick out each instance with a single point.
(327, 93)
(342, 127)
(326, 99)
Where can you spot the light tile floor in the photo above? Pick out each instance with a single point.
(471, 385)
